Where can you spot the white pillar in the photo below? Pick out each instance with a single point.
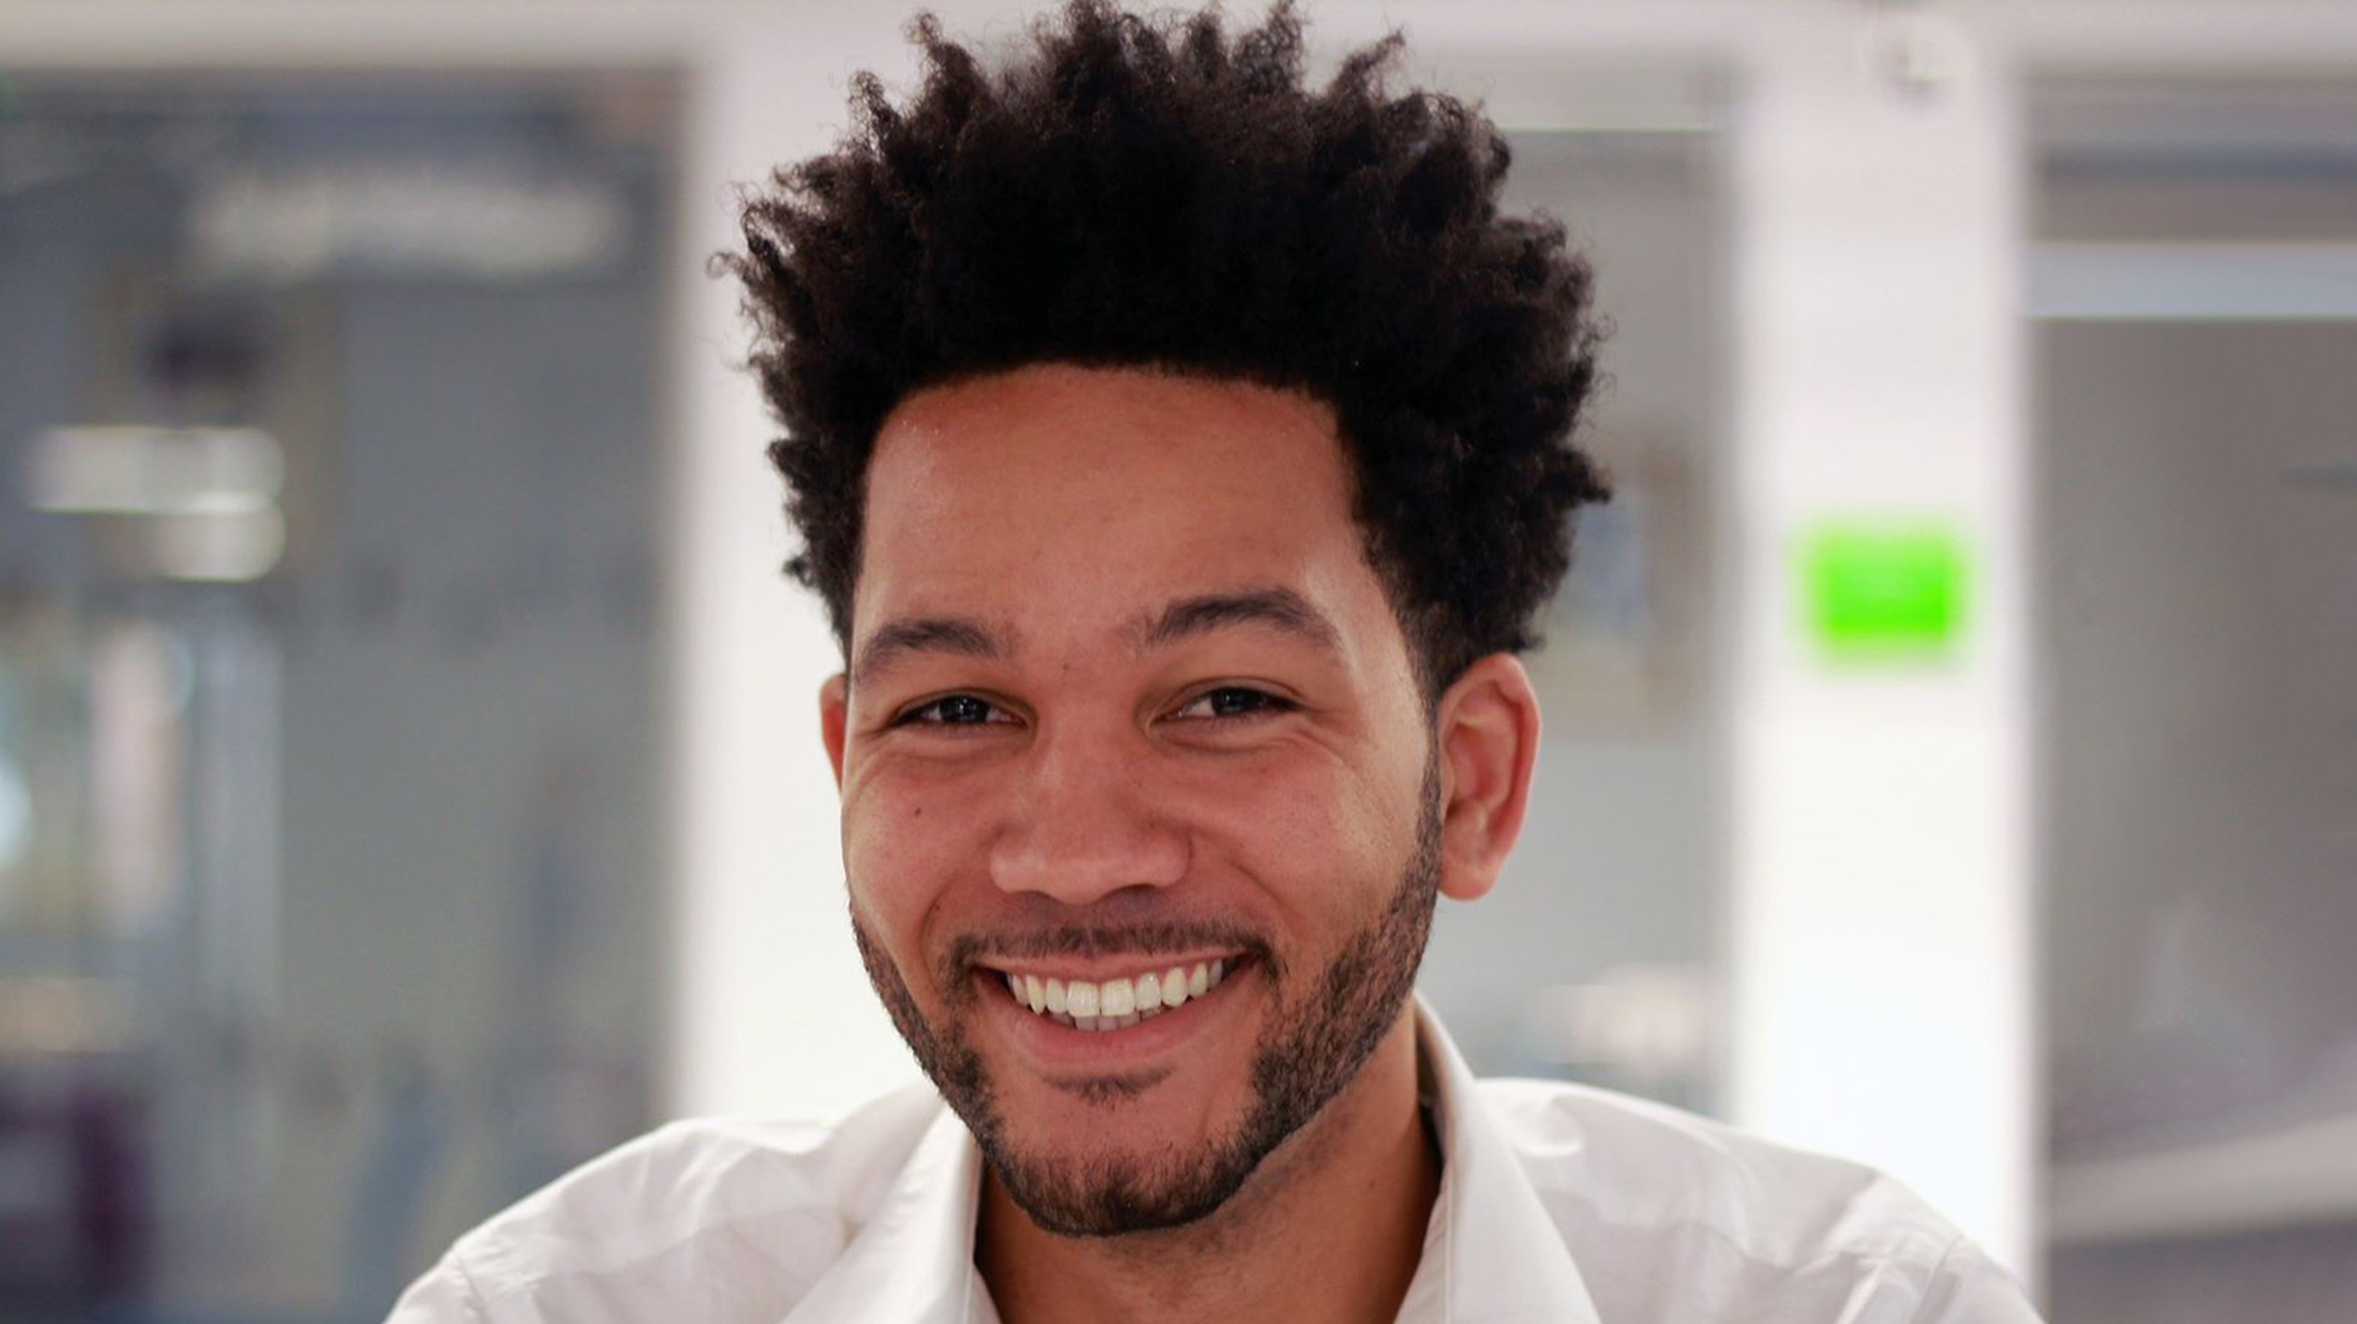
(1880, 929)
(770, 1009)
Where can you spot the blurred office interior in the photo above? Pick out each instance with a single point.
(409, 783)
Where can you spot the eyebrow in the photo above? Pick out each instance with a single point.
(1279, 609)
(923, 634)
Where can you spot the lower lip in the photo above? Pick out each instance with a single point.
(1065, 1048)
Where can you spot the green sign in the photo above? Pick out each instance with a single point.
(1883, 592)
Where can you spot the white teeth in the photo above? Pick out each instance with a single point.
(1114, 1004)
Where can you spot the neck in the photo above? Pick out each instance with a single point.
(1329, 1228)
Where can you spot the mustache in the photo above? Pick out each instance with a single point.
(1153, 939)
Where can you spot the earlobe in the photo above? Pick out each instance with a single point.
(834, 715)
(1488, 731)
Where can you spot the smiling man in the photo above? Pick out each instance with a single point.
(1182, 455)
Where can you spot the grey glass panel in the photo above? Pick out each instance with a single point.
(1599, 955)
(328, 786)
(2198, 574)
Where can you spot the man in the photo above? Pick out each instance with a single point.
(1182, 455)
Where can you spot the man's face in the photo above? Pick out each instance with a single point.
(1126, 698)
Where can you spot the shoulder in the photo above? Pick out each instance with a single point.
(677, 1216)
(1652, 1201)
(1647, 1164)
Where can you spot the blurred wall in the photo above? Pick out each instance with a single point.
(1862, 839)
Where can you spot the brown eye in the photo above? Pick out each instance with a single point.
(950, 710)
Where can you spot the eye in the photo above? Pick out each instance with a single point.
(954, 710)
(1231, 702)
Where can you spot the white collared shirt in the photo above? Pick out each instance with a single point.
(1558, 1204)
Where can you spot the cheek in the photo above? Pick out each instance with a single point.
(1318, 837)
(903, 847)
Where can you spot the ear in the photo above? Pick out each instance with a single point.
(1488, 732)
(834, 713)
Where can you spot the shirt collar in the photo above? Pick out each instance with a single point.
(1491, 1252)
(913, 1261)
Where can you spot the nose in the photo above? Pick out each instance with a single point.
(1083, 822)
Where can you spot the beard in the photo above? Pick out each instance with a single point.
(1310, 1050)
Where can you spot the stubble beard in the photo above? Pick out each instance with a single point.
(1307, 1054)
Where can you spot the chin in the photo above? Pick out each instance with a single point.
(1134, 1122)
(1119, 1191)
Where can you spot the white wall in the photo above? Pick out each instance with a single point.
(1880, 944)
(773, 1012)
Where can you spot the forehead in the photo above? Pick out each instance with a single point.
(1056, 489)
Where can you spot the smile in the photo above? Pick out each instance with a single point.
(1115, 1004)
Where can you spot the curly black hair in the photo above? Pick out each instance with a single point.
(1154, 192)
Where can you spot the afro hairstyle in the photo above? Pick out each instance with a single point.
(1158, 193)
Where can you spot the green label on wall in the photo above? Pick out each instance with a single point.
(1885, 592)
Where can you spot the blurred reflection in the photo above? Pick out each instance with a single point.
(2199, 537)
(325, 675)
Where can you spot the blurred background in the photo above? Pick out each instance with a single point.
(409, 781)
